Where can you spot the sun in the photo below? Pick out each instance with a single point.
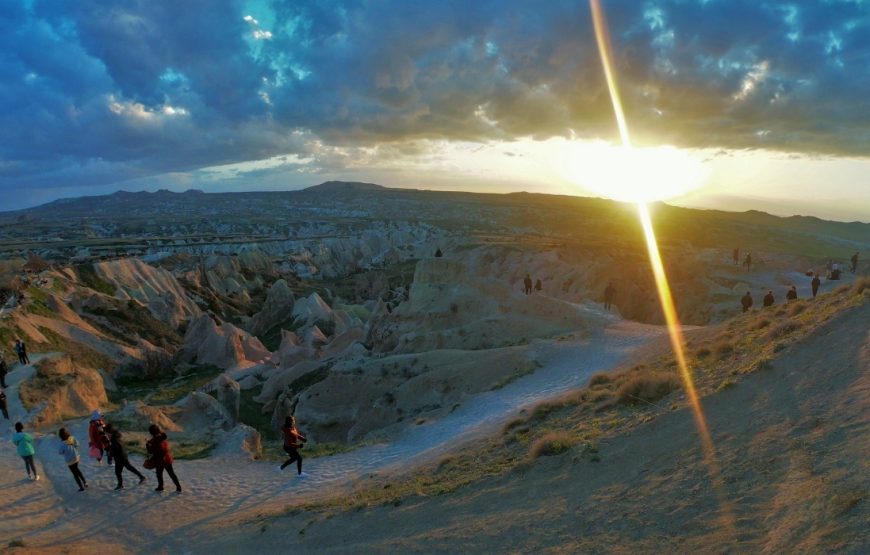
(629, 174)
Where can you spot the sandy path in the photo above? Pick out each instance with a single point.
(218, 488)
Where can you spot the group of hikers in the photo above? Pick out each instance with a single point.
(747, 260)
(103, 440)
(527, 285)
(769, 299)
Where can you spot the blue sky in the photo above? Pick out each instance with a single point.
(98, 96)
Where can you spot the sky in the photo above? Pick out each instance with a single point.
(733, 104)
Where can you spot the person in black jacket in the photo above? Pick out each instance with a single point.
(3, 371)
(816, 283)
(768, 299)
(746, 301)
(119, 454)
(3, 404)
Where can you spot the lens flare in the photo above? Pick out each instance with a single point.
(665, 297)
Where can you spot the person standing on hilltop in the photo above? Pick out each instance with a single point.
(747, 262)
(438, 253)
(538, 285)
(293, 441)
(792, 294)
(609, 293)
(815, 284)
(527, 285)
(768, 299)
(854, 263)
(24, 444)
(69, 448)
(735, 256)
(122, 461)
(161, 459)
(746, 301)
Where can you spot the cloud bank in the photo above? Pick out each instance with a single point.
(97, 92)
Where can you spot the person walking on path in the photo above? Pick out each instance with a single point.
(69, 448)
(161, 458)
(293, 441)
(609, 293)
(792, 294)
(735, 256)
(98, 439)
(746, 302)
(815, 284)
(854, 260)
(3, 407)
(119, 453)
(747, 262)
(527, 285)
(3, 371)
(24, 443)
(21, 351)
(768, 299)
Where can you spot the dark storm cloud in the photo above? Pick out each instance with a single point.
(97, 91)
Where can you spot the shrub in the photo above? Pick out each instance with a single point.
(796, 308)
(782, 329)
(723, 349)
(760, 323)
(703, 352)
(551, 443)
(598, 396)
(647, 388)
(600, 378)
(860, 285)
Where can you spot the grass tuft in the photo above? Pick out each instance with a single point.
(649, 388)
(551, 443)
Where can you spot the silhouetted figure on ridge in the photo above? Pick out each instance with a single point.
(815, 284)
(854, 263)
(609, 293)
(768, 299)
(792, 294)
(747, 262)
(746, 301)
(438, 253)
(527, 285)
(735, 256)
(538, 285)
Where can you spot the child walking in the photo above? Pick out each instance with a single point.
(293, 441)
(69, 448)
(161, 458)
(24, 443)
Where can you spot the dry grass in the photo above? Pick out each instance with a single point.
(796, 308)
(861, 284)
(723, 349)
(600, 378)
(647, 387)
(703, 353)
(552, 443)
(782, 329)
(760, 323)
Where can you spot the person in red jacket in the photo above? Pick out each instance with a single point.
(161, 458)
(97, 436)
(293, 441)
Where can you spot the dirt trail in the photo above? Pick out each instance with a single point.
(220, 487)
(792, 443)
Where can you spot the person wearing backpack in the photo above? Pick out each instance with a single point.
(69, 448)
(24, 443)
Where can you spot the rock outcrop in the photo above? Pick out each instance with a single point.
(61, 389)
(224, 345)
(277, 308)
(154, 287)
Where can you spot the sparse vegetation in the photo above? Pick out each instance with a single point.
(551, 443)
(647, 387)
